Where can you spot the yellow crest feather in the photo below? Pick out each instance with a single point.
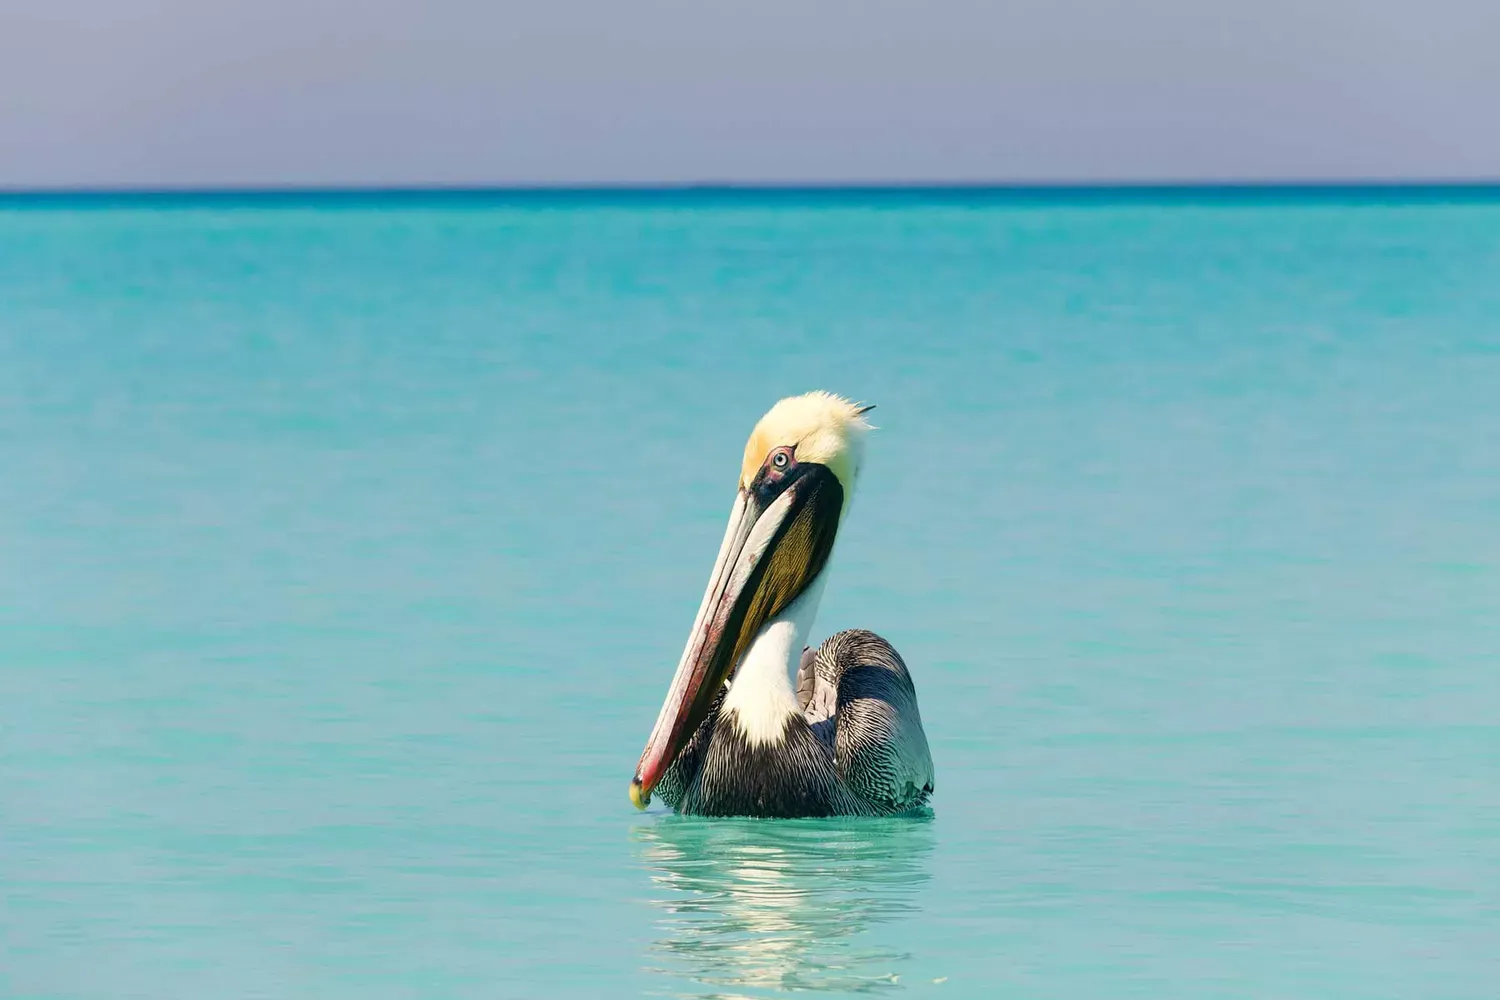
(821, 426)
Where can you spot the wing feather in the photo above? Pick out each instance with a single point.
(858, 687)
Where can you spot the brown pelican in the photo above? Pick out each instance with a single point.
(735, 737)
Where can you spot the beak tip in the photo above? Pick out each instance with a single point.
(638, 796)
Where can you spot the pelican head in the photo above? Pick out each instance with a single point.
(798, 475)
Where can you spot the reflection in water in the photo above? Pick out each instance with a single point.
(783, 905)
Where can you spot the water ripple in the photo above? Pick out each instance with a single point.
(764, 905)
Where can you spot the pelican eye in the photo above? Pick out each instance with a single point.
(773, 474)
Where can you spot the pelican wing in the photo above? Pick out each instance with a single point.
(858, 697)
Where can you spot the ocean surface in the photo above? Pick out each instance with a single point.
(348, 544)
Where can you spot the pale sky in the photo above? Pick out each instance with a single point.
(379, 92)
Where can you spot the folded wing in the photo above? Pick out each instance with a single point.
(857, 695)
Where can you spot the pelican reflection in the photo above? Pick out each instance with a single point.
(784, 905)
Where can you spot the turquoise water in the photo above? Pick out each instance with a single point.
(347, 548)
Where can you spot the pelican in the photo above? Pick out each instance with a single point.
(736, 736)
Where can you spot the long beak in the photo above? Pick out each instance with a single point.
(773, 548)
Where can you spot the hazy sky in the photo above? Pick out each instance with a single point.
(473, 92)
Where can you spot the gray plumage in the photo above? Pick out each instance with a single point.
(857, 749)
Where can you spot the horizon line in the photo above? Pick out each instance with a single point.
(791, 187)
